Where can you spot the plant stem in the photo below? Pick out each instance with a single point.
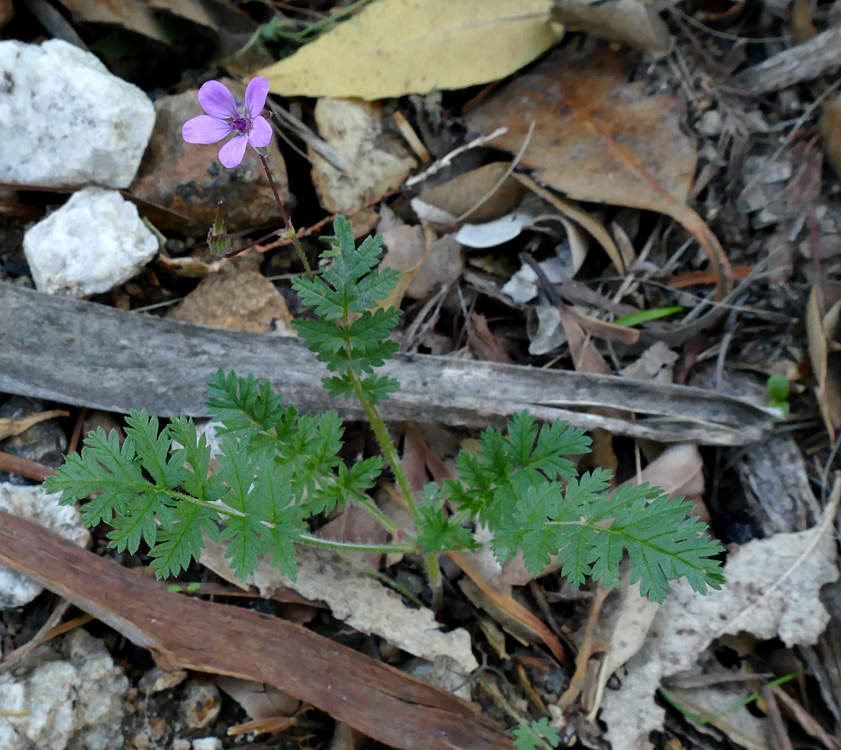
(408, 546)
(204, 504)
(381, 432)
(386, 581)
(240, 250)
(385, 549)
(433, 575)
(290, 230)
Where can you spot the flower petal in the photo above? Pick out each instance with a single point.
(261, 133)
(204, 129)
(255, 96)
(217, 101)
(231, 153)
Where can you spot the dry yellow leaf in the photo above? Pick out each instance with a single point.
(12, 427)
(396, 47)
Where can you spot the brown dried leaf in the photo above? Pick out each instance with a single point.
(259, 701)
(354, 524)
(245, 301)
(625, 630)
(213, 14)
(582, 347)
(825, 353)
(12, 427)
(598, 138)
(801, 21)
(602, 329)
(580, 217)
(482, 194)
(508, 604)
(133, 15)
(482, 342)
(424, 262)
(632, 22)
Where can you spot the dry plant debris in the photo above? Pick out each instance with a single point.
(773, 590)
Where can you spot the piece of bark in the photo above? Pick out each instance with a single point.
(803, 62)
(187, 633)
(80, 353)
(776, 484)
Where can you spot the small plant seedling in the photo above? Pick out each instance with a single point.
(279, 468)
(778, 391)
(539, 735)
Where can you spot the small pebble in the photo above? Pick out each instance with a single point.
(200, 705)
(141, 741)
(711, 123)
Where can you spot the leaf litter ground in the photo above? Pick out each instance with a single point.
(662, 166)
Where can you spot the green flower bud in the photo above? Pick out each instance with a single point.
(217, 239)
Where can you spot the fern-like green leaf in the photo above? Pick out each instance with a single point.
(243, 531)
(348, 485)
(350, 333)
(247, 406)
(181, 542)
(438, 532)
(589, 531)
(102, 467)
(537, 735)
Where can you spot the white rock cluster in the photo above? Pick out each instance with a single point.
(91, 244)
(70, 695)
(66, 120)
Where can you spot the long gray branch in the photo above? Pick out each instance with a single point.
(85, 354)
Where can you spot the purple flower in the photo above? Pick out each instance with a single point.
(224, 117)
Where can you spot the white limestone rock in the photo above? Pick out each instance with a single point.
(33, 504)
(66, 120)
(93, 243)
(70, 694)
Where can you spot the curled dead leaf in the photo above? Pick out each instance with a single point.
(822, 331)
(12, 427)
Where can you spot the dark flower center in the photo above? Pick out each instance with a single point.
(239, 123)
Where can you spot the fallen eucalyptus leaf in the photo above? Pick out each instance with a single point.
(397, 47)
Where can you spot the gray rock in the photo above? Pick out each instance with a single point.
(711, 123)
(66, 120)
(70, 695)
(33, 504)
(44, 442)
(90, 245)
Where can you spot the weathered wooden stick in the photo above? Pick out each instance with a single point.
(188, 633)
(80, 353)
(803, 62)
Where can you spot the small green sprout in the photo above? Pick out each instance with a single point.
(778, 391)
(539, 735)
